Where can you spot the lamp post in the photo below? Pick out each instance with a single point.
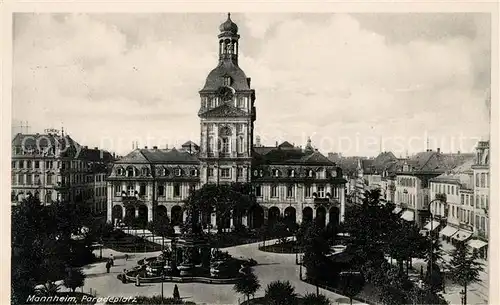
(162, 280)
(431, 256)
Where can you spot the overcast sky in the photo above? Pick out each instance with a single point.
(346, 81)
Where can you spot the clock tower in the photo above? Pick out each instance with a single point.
(227, 115)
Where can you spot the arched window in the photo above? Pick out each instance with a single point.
(310, 173)
(178, 172)
(210, 147)
(130, 171)
(119, 171)
(240, 145)
(290, 192)
(225, 145)
(291, 173)
(276, 173)
(194, 172)
(145, 171)
(130, 190)
(227, 81)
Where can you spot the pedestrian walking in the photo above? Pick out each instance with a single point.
(108, 266)
(137, 280)
(126, 257)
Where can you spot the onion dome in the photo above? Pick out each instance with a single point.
(229, 26)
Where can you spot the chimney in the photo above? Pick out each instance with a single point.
(145, 147)
(248, 81)
(86, 147)
(166, 146)
(155, 147)
(438, 150)
(96, 148)
(458, 152)
(276, 143)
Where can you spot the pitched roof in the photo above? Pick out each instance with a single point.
(285, 144)
(134, 156)
(168, 156)
(278, 155)
(190, 143)
(224, 110)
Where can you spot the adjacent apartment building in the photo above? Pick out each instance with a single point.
(55, 167)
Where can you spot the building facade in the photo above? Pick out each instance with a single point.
(288, 181)
(54, 167)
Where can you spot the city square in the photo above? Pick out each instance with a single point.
(238, 210)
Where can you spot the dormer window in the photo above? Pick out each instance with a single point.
(178, 172)
(145, 172)
(194, 172)
(227, 81)
(276, 173)
(119, 171)
(291, 173)
(310, 173)
(255, 173)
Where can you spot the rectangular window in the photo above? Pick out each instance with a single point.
(477, 222)
(239, 172)
(456, 190)
(482, 201)
(225, 173)
(483, 180)
(448, 189)
(239, 128)
(486, 202)
(142, 190)
(462, 198)
(21, 164)
(29, 180)
(453, 211)
(241, 102)
(131, 190)
(177, 190)
(477, 180)
(161, 190)
(225, 145)
(118, 189)
(483, 223)
(210, 128)
(13, 164)
(274, 191)
(14, 179)
(308, 191)
(258, 191)
(210, 172)
(290, 191)
(37, 164)
(477, 201)
(321, 191)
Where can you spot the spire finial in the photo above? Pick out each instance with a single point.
(229, 16)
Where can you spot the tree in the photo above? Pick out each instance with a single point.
(280, 293)
(225, 200)
(247, 284)
(315, 250)
(464, 267)
(315, 299)
(280, 231)
(351, 284)
(176, 294)
(74, 278)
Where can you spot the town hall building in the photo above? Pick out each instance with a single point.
(289, 182)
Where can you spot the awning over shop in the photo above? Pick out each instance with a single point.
(434, 224)
(448, 231)
(408, 215)
(476, 243)
(461, 235)
(397, 210)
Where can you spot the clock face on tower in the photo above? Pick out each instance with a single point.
(225, 94)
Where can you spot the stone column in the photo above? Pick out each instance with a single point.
(109, 214)
(136, 212)
(150, 212)
(213, 220)
(184, 216)
(124, 210)
(244, 220)
(298, 215)
(342, 203)
(327, 217)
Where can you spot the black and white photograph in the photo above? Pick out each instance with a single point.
(243, 157)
